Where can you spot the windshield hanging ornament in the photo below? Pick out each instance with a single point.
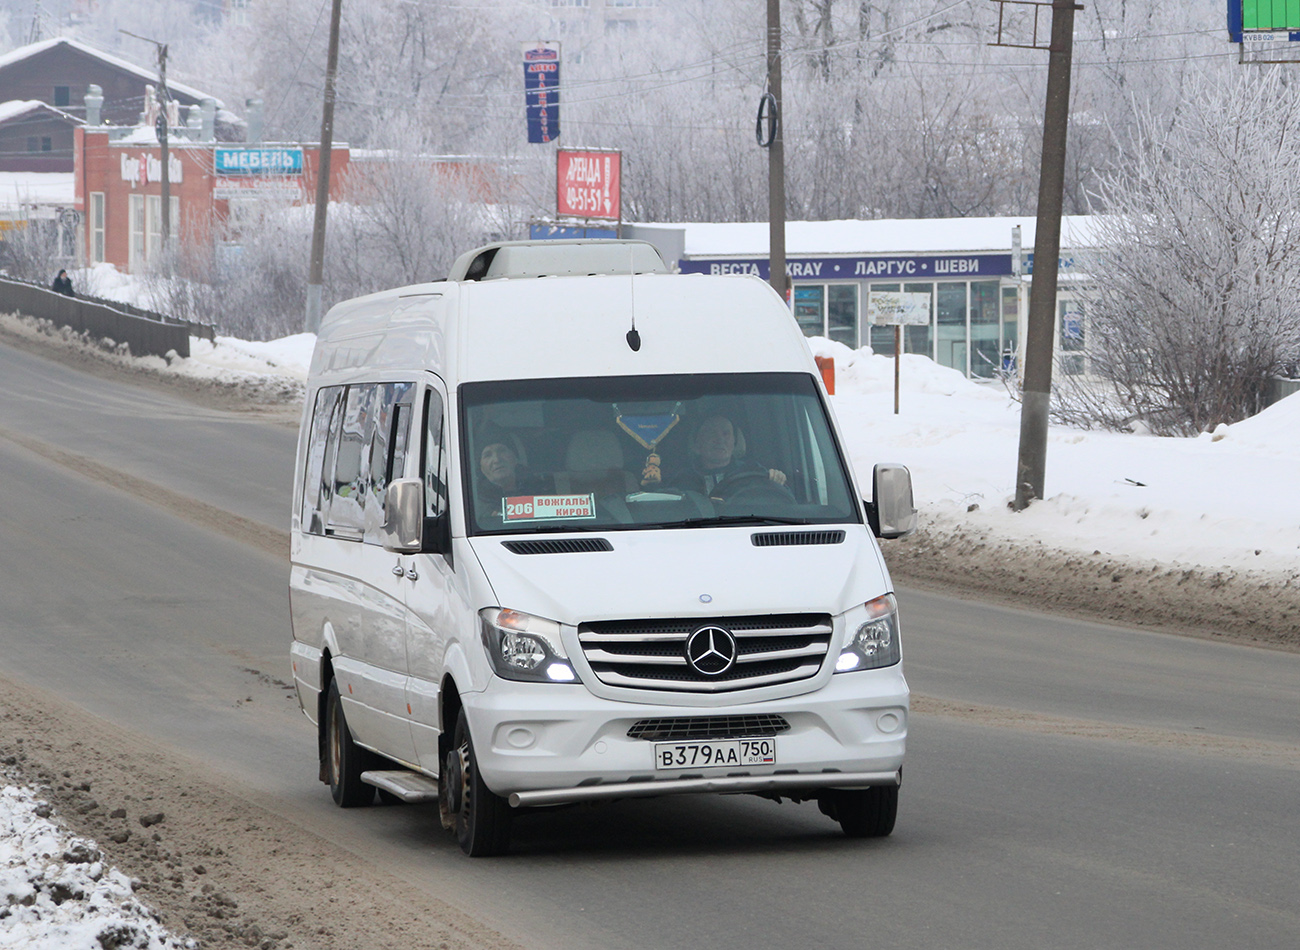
(649, 430)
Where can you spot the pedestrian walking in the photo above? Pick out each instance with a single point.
(63, 284)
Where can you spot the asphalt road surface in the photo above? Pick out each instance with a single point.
(1068, 784)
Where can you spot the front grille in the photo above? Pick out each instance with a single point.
(684, 728)
(766, 539)
(559, 546)
(651, 654)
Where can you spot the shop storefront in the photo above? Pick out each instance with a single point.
(966, 275)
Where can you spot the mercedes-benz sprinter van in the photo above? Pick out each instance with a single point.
(568, 526)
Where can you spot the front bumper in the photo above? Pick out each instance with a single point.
(544, 744)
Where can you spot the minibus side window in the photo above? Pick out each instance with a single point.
(392, 423)
(434, 464)
(315, 494)
(346, 517)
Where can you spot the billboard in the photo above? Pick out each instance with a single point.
(588, 184)
(542, 90)
(1263, 21)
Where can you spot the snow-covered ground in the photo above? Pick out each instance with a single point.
(56, 890)
(1223, 501)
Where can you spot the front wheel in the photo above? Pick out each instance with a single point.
(346, 760)
(480, 818)
(862, 812)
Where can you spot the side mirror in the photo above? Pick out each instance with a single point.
(891, 512)
(404, 516)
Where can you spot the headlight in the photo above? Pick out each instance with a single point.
(523, 647)
(873, 643)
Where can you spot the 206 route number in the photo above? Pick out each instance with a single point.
(688, 755)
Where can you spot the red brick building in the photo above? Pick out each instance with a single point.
(119, 188)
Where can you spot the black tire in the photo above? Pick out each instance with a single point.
(863, 812)
(479, 818)
(345, 760)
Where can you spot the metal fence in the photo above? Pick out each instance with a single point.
(1279, 389)
(151, 334)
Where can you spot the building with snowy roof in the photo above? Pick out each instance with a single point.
(962, 282)
(60, 71)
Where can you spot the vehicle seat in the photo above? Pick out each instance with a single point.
(594, 463)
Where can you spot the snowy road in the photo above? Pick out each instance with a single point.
(1068, 784)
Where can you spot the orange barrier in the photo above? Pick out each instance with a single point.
(827, 366)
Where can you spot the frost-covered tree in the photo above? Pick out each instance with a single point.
(1200, 301)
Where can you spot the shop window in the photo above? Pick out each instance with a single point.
(1010, 326)
(1072, 329)
(985, 353)
(918, 339)
(950, 326)
(881, 339)
(809, 309)
(842, 314)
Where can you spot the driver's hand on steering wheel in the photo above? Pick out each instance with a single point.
(776, 475)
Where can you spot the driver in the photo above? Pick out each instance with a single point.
(713, 451)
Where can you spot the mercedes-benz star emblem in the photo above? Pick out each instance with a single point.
(711, 651)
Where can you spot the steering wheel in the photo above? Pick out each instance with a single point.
(750, 484)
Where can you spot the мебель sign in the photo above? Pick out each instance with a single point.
(258, 161)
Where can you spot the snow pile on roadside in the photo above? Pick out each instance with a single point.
(56, 892)
(108, 283)
(274, 370)
(289, 357)
(1221, 501)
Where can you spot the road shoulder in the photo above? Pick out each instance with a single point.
(212, 862)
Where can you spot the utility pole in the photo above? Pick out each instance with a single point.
(36, 33)
(164, 133)
(316, 278)
(1036, 396)
(775, 155)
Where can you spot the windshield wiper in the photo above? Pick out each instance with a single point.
(556, 528)
(718, 520)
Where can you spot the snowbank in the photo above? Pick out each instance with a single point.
(55, 890)
(1225, 500)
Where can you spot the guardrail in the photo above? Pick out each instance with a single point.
(1279, 388)
(147, 334)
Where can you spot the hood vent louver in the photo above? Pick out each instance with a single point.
(558, 546)
(767, 539)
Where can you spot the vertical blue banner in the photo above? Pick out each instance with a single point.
(542, 90)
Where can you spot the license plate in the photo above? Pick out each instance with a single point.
(719, 752)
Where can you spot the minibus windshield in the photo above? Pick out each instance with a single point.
(637, 452)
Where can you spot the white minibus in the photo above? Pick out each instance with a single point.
(568, 526)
